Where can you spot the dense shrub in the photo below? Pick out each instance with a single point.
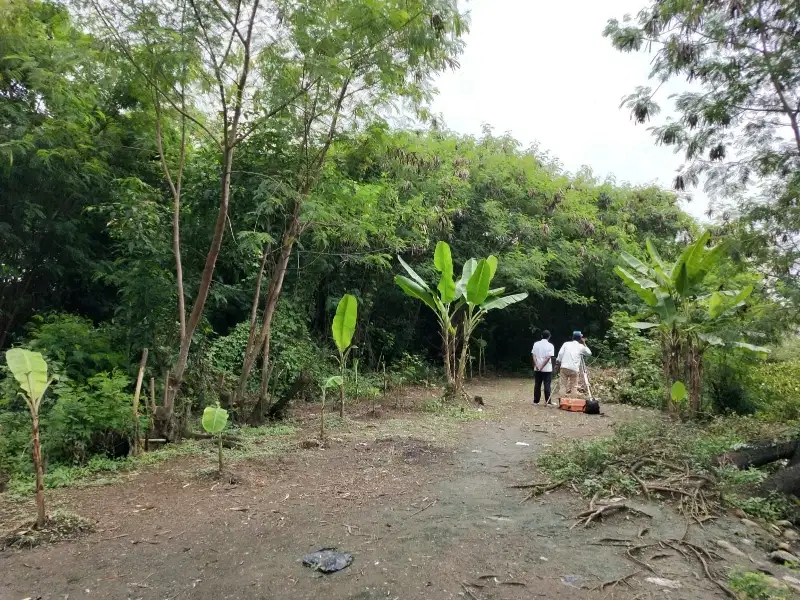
(90, 418)
(79, 420)
(74, 346)
(728, 388)
(291, 347)
(775, 389)
(641, 380)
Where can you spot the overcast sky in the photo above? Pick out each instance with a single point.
(543, 71)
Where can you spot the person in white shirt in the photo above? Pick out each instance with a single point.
(569, 361)
(542, 355)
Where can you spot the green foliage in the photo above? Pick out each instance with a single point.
(214, 420)
(333, 382)
(742, 62)
(772, 508)
(344, 323)
(15, 443)
(472, 293)
(754, 585)
(30, 371)
(678, 391)
(774, 389)
(691, 311)
(728, 380)
(640, 378)
(293, 350)
(73, 343)
(411, 369)
(89, 418)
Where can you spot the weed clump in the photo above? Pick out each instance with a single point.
(60, 526)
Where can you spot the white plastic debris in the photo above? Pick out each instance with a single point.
(523, 444)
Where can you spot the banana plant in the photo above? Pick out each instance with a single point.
(215, 418)
(30, 371)
(687, 313)
(440, 301)
(343, 329)
(472, 291)
(474, 288)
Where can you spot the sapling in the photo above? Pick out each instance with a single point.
(334, 381)
(30, 371)
(215, 418)
(355, 376)
(343, 328)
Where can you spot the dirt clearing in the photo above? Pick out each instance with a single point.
(423, 502)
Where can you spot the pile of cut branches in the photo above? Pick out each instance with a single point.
(668, 461)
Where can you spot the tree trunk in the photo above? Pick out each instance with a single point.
(251, 339)
(786, 481)
(136, 447)
(179, 369)
(341, 388)
(220, 455)
(671, 360)
(758, 454)
(41, 516)
(448, 369)
(322, 417)
(693, 376)
(277, 408)
(266, 375)
(273, 293)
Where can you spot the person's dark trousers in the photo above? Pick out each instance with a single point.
(541, 377)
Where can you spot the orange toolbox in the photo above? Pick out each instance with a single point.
(572, 404)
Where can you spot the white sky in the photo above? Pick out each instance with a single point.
(543, 71)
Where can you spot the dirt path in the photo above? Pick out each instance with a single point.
(422, 516)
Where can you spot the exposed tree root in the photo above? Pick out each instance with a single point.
(685, 549)
(615, 582)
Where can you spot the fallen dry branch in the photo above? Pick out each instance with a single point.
(630, 551)
(539, 488)
(596, 512)
(426, 507)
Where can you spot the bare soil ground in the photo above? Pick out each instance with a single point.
(423, 502)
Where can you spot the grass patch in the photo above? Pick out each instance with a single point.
(750, 585)
(447, 410)
(100, 470)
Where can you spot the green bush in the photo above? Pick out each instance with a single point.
(88, 419)
(411, 369)
(291, 349)
(15, 442)
(640, 381)
(74, 346)
(751, 585)
(775, 390)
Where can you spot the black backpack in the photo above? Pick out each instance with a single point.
(592, 407)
